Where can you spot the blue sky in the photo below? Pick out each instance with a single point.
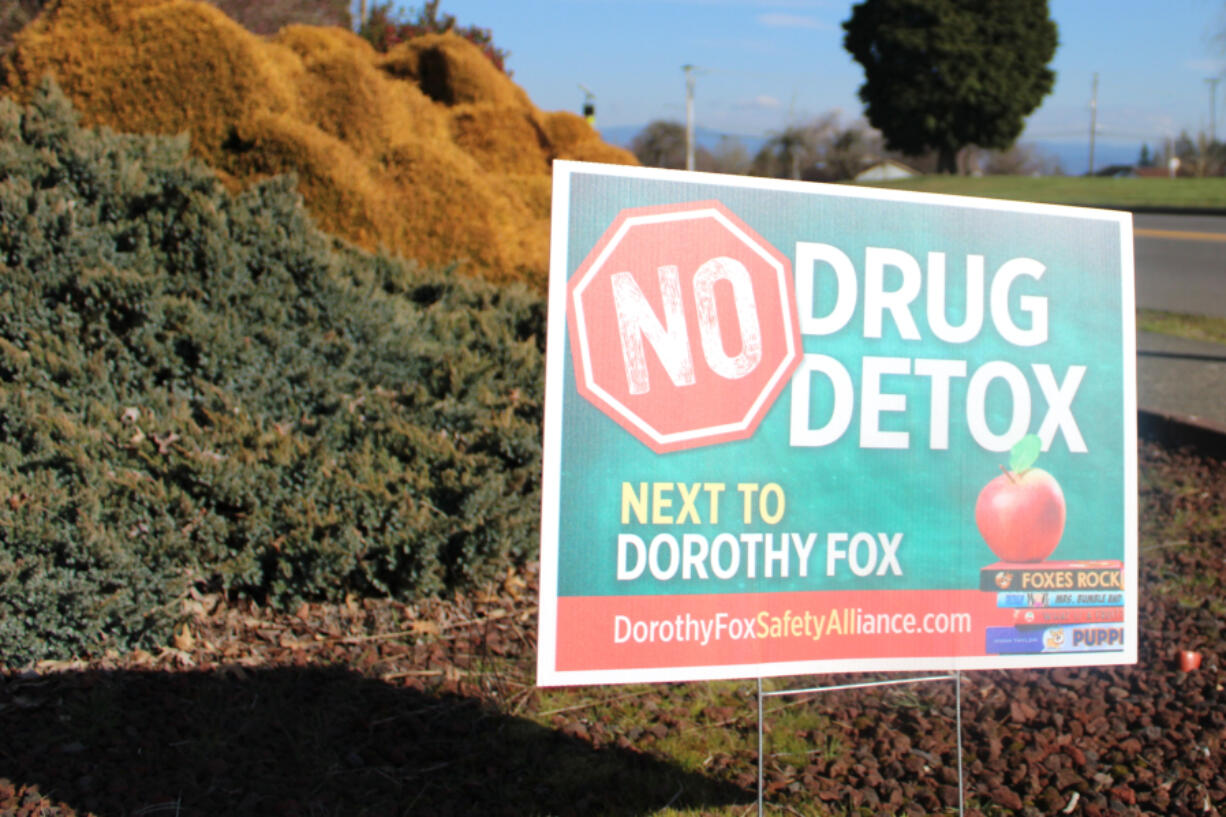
(767, 62)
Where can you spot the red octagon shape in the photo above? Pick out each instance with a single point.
(683, 325)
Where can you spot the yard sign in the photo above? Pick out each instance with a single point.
(795, 428)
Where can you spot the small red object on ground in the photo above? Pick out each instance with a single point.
(1189, 660)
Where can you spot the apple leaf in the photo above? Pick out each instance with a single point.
(1024, 453)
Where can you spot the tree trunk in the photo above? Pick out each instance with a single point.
(947, 161)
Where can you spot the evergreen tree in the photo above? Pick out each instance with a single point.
(943, 74)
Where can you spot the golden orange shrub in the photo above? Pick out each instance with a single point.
(428, 151)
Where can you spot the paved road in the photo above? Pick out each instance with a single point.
(1181, 263)
(1182, 376)
(1181, 267)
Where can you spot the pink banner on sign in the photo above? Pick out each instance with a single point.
(630, 632)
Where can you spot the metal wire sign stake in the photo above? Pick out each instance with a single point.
(955, 676)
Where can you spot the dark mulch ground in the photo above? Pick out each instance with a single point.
(388, 708)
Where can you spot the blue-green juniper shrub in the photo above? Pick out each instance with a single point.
(202, 389)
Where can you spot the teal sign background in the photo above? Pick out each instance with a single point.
(928, 495)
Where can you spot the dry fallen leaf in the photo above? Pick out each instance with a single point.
(164, 443)
(141, 658)
(422, 627)
(183, 638)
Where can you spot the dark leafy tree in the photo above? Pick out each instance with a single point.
(821, 149)
(14, 16)
(943, 74)
(662, 144)
(794, 151)
(851, 149)
(270, 16)
(1017, 160)
(729, 156)
(1198, 156)
(384, 27)
(259, 16)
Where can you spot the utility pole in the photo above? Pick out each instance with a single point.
(1213, 81)
(361, 15)
(1093, 119)
(689, 116)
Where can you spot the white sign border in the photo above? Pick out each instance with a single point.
(555, 360)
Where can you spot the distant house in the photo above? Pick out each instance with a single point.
(1160, 172)
(886, 170)
(1117, 172)
(1131, 172)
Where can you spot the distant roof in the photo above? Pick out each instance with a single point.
(886, 169)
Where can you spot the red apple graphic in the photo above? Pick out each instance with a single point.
(1021, 513)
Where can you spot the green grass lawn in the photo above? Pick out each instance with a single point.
(1195, 327)
(1102, 192)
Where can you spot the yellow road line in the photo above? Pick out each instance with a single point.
(1179, 235)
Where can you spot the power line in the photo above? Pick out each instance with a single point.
(1103, 133)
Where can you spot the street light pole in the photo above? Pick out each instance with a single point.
(1093, 119)
(689, 116)
(1212, 81)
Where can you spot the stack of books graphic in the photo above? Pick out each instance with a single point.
(1056, 606)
